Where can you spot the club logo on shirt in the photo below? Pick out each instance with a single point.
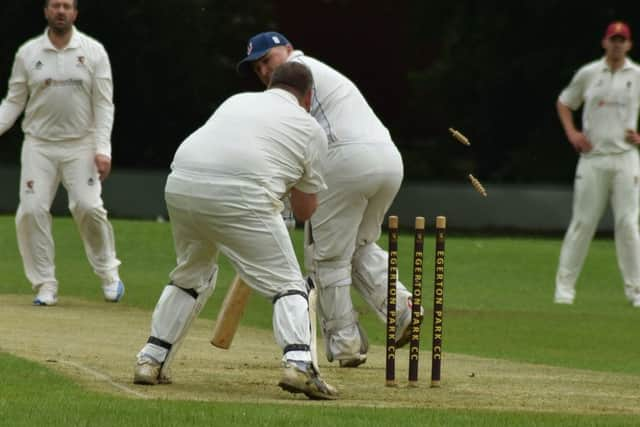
(30, 189)
(91, 182)
(80, 61)
(610, 103)
(39, 65)
(61, 83)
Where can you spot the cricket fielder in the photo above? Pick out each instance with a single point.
(62, 82)
(609, 167)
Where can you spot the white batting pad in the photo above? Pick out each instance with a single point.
(370, 263)
(291, 325)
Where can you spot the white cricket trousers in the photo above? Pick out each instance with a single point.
(44, 166)
(362, 180)
(599, 180)
(244, 223)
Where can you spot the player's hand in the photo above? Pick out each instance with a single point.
(632, 137)
(103, 164)
(580, 142)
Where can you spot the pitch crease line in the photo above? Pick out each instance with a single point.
(106, 378)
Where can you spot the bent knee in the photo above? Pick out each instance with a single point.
(87, 209)
(30, 210)
(626, 225)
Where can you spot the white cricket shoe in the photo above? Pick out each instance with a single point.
(562, 300)
(114, 291)
(636, 301)
(301, 377)
(47, 295)
(147, 372)
(564, 295)
(630, 293)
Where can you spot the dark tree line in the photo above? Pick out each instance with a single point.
(491, 69)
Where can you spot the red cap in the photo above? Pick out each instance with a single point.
(618, 28)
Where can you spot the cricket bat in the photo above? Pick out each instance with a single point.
(230, 313)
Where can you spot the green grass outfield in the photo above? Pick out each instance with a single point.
(498, 294)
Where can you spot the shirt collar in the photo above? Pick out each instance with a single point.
(74, 42)
(625, 66)
(295, 54)
(285, 94)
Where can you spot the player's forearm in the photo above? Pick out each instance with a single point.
(303, 204)
(566, 118)
(9, 113)
(103, 111)
(12, 106)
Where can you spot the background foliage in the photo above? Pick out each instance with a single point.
(492, 69)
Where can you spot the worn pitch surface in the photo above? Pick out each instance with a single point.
(95, 344)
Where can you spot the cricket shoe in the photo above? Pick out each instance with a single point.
(633, 295)
(353, 362)
(564, 294)
(404, 323)
(361, 357)
(301, 377)
(147, 372)
(114, 291)
(47, 295)
(563, 300)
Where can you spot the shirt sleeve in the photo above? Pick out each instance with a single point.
(17, 95)
(573, 95)
(312, 181)
(103, 109)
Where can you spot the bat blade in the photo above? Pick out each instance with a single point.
(230, 313)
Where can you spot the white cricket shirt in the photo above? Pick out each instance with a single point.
(67, 92)
(611, 101)
(339, 107)
(262, 138)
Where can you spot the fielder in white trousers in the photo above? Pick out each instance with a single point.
(608, 90)
(600, 180)
(62, 82)
(44, 166)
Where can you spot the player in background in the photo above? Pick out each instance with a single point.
(608, 168)
(62, 81)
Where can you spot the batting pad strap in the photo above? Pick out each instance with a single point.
(289, 293)
(159, 342)
(189, 291)
(296, 347)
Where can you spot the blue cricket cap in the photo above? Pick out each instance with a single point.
(258, 47)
